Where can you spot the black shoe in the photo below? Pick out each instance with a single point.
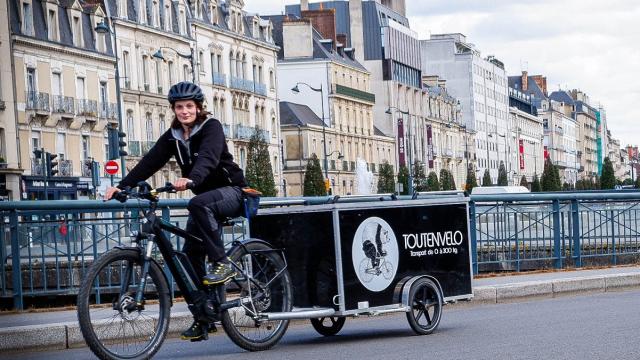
(196, 332)
(222, 272)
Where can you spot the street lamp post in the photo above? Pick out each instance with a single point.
(103, 28)
(190, 56)
(409, 151)
(296, 90)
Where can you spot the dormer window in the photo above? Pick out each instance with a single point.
(52, 24)
(27, 19)
(213, 11)
(183, 22)
(77, 30)
(156, 14)
(143, 11)
(168, 26)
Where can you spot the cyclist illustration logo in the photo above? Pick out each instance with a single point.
(375, 254)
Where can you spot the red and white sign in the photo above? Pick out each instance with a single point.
(111, 167)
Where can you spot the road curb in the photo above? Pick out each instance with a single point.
(67, 335)
(492, 294)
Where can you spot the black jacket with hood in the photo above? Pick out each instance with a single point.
(204, 158)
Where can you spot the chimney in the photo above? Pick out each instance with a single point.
(356, 29)
(525, 81)
(541, 81)
(297, 39)
(342, 39)
(304, 5)
(324, 21)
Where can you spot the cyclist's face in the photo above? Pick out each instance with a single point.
(186, 111)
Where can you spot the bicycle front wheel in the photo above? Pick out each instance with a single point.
(266, 282)
(113, 324)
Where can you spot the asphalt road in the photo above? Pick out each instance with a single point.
(592, 326)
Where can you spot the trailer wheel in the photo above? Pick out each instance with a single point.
(328, 326)
(425, 300)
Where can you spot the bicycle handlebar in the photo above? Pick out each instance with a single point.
(145, 192)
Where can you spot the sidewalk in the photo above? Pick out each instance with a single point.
(59, 329)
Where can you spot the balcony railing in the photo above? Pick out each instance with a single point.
(86, 107)
(86, 168)
(37, 167)
(260, 89)
(560, 147)
(38, 101)
(219, 79)
(139, 148)
(66, 168)
(243, 132)
(242, 84)
(447, 153)
(227, 130)
(108, 111)
(355, 93)
(63, 104)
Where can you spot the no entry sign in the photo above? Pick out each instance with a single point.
(111, 167)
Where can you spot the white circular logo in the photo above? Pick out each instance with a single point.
(375, 254)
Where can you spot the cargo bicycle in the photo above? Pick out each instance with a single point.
(124, 299)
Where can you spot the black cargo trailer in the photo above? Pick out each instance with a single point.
(370, 257)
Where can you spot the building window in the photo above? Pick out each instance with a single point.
(130, 126)
(272, 82)
(56, 84)
(103, 97)
(53, 25)
(145, 72)
(163, 124)
(159, 76)
(80, 88)
(185, 72)
(35, 141)
(31, 81)
(149, 126)
(61, 145)
(167, 17)
(126, 65)
(77, 31)
(27, 17)
(171, 71)
(86, 151)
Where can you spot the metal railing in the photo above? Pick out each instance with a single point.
(86, 107)
(554, 230)
(36, 100)
(66, 168)
(242, 84)
(243, 132)
(219, 79)
(63, 104)
(53, 242)
(260, 89)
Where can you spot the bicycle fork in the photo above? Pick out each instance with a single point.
(145, 270)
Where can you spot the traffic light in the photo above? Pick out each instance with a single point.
(116, 143)
(51, 164)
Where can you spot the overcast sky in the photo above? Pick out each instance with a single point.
(591, 45)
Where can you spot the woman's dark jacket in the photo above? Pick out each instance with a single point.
(204, 158)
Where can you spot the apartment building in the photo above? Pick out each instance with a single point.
(63, 74)
(331, 113)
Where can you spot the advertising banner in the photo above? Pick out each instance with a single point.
(521, 152)
(430, 146)
(401, 145)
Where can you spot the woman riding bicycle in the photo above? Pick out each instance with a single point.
(197, 142)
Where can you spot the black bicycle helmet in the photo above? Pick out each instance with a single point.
(185, 90)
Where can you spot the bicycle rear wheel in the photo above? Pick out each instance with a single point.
(266, 282)
(112, 324)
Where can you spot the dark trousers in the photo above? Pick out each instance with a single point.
(206, 210)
